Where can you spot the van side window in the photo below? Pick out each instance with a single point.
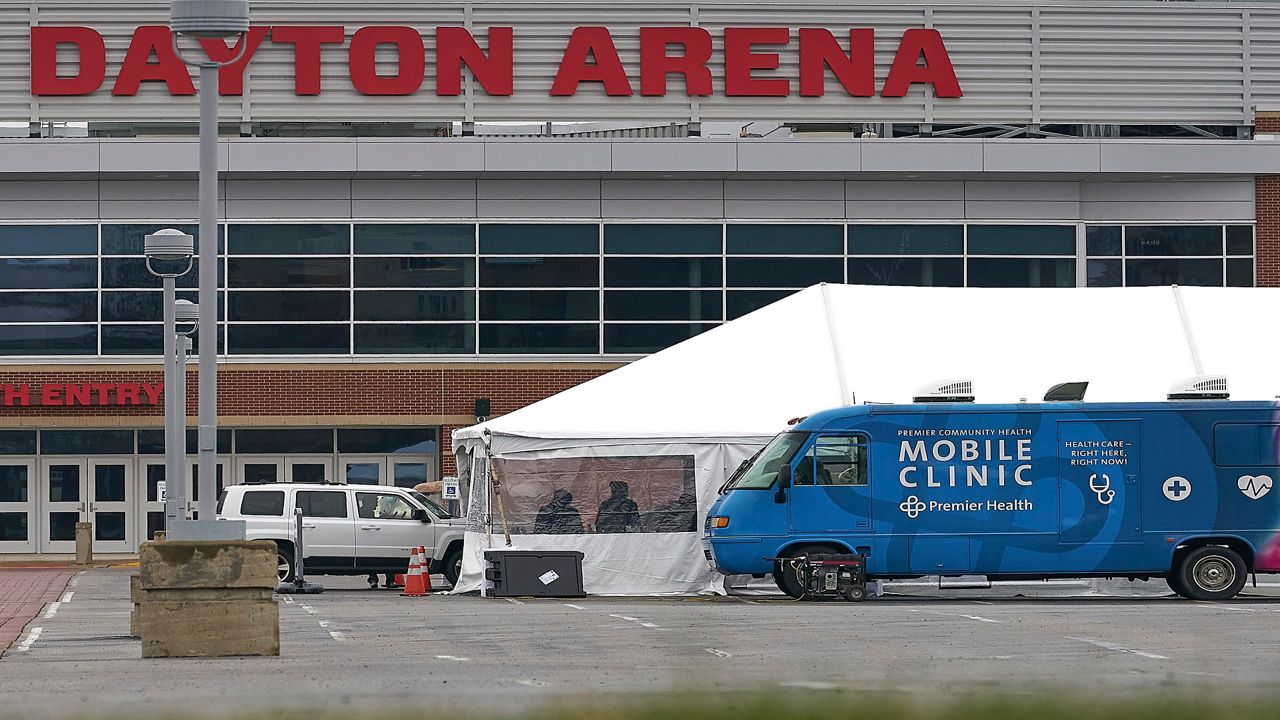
(840, 460)
(262, 502)
(322, 504)
(383, 506)
(1244, 444)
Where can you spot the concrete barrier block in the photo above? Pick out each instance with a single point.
(191, 564)
(208, 628)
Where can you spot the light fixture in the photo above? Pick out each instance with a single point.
(168, 245)
(209, 18)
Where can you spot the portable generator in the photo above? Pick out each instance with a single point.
(831, 576)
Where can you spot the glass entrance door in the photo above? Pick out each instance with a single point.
(151, 513)
(223, 474)
(111, 497)
(258, 470)
(65, 504)
(17, 506)
(362, 470)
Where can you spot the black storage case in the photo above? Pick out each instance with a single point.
(534, 573)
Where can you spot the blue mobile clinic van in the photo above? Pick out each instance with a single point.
(1181, 490)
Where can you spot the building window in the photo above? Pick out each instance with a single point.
(1146, 255)
(1021, 256)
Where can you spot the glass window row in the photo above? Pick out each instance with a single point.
(66, 242)
(370, 441)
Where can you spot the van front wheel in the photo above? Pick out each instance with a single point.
(1212, 572)
(785, 577)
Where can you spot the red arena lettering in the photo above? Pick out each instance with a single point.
(307, 42)
(936, 70)
(656, 64)
(820, 51)
(411, 60)
(91, 67)
(751, 59)
(153, 41)
(740, 59)
(597, 43)
(231, 76)
(495, 72)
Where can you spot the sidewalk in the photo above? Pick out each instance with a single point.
(23, 594)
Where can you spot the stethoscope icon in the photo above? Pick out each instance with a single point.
(1103, 491)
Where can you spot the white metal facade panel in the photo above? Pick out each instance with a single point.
(1018, 63)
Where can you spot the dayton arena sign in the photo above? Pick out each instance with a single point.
(746, 54)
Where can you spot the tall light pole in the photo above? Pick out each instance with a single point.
(169, 257)
(186, 315)
(221, 19)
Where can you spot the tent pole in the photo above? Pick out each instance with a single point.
(502, 510)
(845, 398)
(497, 489)
(1186, 329)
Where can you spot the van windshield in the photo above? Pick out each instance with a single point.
(764, 471)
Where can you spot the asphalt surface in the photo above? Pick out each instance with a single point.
(360, 648)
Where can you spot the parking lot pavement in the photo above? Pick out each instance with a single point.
(356, 647)
(24, 593)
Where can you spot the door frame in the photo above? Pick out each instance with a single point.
(30, 506)
(129, 506)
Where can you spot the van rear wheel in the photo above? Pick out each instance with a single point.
(1211, 572)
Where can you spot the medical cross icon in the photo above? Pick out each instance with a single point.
(1177, 488)
(912, 507)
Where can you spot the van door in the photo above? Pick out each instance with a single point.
(1099, 498)
(830, 487)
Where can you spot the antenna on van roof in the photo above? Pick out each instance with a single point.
(1201, 387)
(1067, 392)
(952, 390)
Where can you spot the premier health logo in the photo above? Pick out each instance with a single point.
(912, 506)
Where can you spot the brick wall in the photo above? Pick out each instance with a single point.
(1267, 206)
(445, 390)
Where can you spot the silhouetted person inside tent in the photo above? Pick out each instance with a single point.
(679, 515)
(619, 513)
(558, 517)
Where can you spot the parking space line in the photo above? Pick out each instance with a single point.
(66, 596)
(453, 658)
(718, 652)
(335, 634)
(53, 609)
(1117, 648)
(637, 621)
(513, 601)
(32, 636)
(575, 607)
(531, 683)
(310, 610)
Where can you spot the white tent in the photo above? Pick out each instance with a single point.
(691, 413)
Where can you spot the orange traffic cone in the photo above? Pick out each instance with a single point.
(426, 570)
(413, 586)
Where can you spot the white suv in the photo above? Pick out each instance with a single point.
(347, 529)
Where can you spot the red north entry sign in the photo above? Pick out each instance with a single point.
(79, 394)
(590, 56)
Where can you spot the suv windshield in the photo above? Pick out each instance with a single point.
(434, 508)
(764, 470)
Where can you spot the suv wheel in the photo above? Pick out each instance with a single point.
(452, 566)
(284, 563)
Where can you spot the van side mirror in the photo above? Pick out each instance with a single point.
(421, 515)
(784, 482)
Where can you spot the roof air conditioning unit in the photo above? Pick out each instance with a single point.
(1067, 392)
(945, 391)
(1201, 387)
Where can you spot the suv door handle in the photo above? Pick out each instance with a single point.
(308, 527)
(370, 527)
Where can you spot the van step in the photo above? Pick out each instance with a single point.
(964, 582)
